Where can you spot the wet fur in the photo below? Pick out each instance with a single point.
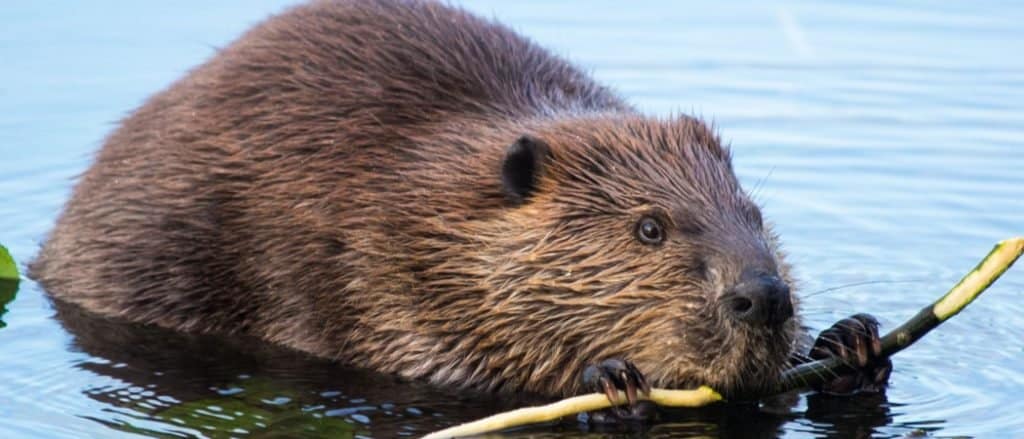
(331, 182)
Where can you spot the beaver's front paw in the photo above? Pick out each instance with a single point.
(854, 340)
(609, 377)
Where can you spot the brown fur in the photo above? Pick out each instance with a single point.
(331, 182)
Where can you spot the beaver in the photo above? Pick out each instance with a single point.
(406, 187)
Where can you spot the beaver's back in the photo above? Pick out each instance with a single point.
(219, 204)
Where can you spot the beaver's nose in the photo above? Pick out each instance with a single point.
(760, 299)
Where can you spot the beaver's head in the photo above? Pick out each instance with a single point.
(632, 239)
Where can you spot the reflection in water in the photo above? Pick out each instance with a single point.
(180, 384)
(834, 416)
(172, 384)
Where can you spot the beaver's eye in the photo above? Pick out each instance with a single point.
(649, 231)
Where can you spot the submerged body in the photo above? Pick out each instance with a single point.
(406, 187)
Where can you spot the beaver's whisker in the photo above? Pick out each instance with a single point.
(800, 358)
(760, 184)
(858, 329)
(859, 284)
(816, 311)
(844, 360)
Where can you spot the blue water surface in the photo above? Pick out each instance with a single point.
(884, 139)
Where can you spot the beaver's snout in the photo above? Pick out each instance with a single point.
(759, 299)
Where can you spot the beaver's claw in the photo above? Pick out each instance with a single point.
(855, 340)
(609, 377)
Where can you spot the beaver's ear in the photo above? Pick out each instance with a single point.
(522, 166)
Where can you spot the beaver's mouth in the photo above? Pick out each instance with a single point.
(754, 364)
(738, 360)
(760, 364)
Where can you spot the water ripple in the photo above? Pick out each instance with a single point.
(884, 139)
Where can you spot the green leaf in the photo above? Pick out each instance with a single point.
(8, 289)
(8, 269)
(8, 282)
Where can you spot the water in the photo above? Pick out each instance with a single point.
(883, 139)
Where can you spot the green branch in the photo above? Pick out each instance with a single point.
(962, 294)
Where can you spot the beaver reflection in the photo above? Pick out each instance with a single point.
(179, 384)
(172, 383)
